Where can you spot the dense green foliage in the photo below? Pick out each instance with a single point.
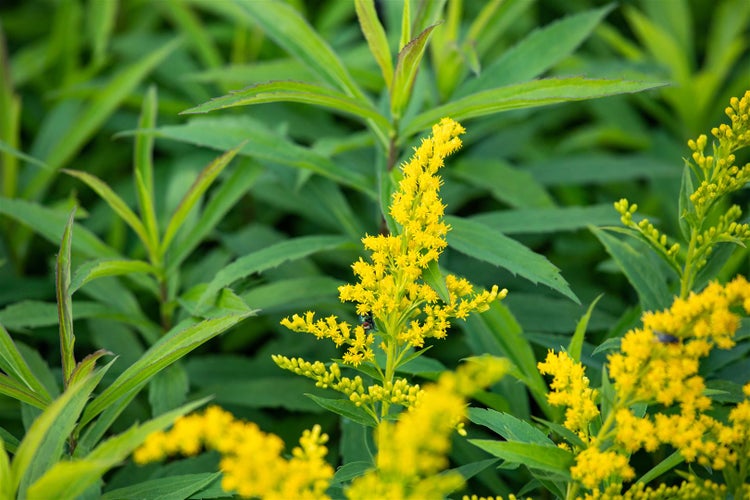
(178, 176)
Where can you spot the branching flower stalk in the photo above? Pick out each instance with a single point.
(400, 309)
(716, 176)
(658, 365)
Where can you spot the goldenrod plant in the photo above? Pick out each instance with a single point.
(182, 171)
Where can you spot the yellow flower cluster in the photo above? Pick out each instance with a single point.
(414, 449)
(405, 310)
(690, 489)
(341, 332)
(570, 387)
(252, 463)
(658, 364)
(398, 391)
(720, 174)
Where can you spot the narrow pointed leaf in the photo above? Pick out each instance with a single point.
(346, 409)
(407, 66)
(509, 427)
(482, 242)
(144, 166)
(64, 305)
(175, 487)
(290, 91)
(171, 347)
(224, 132)
(267, 258)
(16, 390)
(43, 443)
(433, 277)
(6, 480)
(12, 363)
(115, 202)
(641, 267)
(49, 224)
(576, 342)
(537, 52)
(376, 37)
(526, 95)
(86, 366)
(201, 184)
(547, 458)
(101, 268)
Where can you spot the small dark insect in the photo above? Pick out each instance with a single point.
(666, 338)
(367, 322)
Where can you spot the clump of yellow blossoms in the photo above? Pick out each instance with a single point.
(411, 451)
(252, 463)
(705, 222)
(400, 309)
(658, 365)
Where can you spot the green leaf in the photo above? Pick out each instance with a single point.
(262, 143)
(49, 223)
(641, 267)
(376, 37)
(685, 207)
(600, 169)
(237, 184)
(100, 268)
(165, 488)
(510, 185)
(70, 479)
(64, 305)
(284, 392)
(168, 389)
(269, 257)
(548, 220)
(174, 345)
(16, 390)
(483, 243)
(349, 471)
(662, 467)
(538, 52)
(547, 458)
(6, 480)
(86, 366)
(144, 167)
(95, 114)
(346, 409)
(576, 342)
(409, 59)
(116, 203)
(12, 363)
(34, 314)
(43, 444)
(201, 184)
(292, 91)
(525, 95)
(100, 21)
(433, 277)
(7, 148)
(509, 427)
(282, 23)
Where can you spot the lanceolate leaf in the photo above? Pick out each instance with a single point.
(16, 390)
(201, 184)
(484, 243)
(536, 53)
(166, 351)
(144, 167)
(642, 268)
(115, 202)
(267, 258)
(100, 268)
(576, 342)
(547, 458)
(43, 444)
(12, 363)
(225, 132)
(525, 95)
(375, 36)
(308, 93)
(64, 306)
(406, 71)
